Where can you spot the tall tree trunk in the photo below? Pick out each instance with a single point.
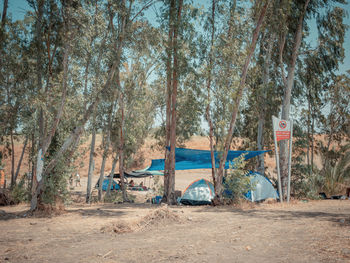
(121, 149)
(312, 142)
(32, 160)
(209, 78)
(21, 158)
(102, 168)
(12, 160)
(220, 172)
(74, 137)
(115, 160)
(168, 101)
(47, 139)
(287, 98)
(262, 112)
(91, 164)
(308, 135)
(38, 34)
(3, 21)
(105, 151)
(171, 188)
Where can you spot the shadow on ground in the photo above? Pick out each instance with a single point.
(340, 217)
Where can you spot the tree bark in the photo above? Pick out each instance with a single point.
(209, 78)
(105, 152)
(121, 149)
(171, 188)
(308, 135)
(12, 160)
(262, 112)
(220, 172)
(91, 164)
(115, 160)
(21, 159)
(3, 21)
(38, 34)
(45, 144)
(168, 101)
(76, 133)
(287, 97)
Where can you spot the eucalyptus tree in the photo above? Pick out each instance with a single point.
(74, 22)
(230, 43)
(15, 86)
(53, 37)
(293, 26)
(125, 24)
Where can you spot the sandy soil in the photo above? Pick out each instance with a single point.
(299, 232)
(317, 231)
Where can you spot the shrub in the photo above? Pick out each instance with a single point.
(20, 192)
(236, 182)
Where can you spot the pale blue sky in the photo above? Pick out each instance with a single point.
(18, 8)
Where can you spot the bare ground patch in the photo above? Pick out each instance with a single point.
(159, 217)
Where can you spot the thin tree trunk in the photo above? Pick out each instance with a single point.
(12, 160)
(38, 34)
(47, 141)
(220, 173)
(287, 98)
(76, 133)
(171, 188)
(121, 148)
(168, 101)
(3, 21)
(105, 152)
(115, 160)
(209, 78)
(91, 164)
(33, 161)
(308, 135)
(21, 159)
(262, 112)
(102, 169)
(312, 142)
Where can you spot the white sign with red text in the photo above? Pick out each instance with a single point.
(281, 128)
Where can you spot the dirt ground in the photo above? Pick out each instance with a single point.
(317, 231)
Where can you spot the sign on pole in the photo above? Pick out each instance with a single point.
(282, 130)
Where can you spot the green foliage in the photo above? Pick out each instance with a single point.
(237, 181)
(56, 184)
(20, 192)
(158, 186)
(336, 170)
(31, 80)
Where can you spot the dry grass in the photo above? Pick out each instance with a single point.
(157, 217)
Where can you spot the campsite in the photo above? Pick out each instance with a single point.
(174, 131)
(302, 231)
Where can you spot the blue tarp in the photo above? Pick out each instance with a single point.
(113, 186)
(187, 159)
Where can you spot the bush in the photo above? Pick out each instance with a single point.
(56, 184)
(236, 182)
(20, 192)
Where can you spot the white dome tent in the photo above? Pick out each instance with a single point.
(263, 188)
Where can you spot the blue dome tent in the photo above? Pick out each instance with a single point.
(263, 188)
(199, 192)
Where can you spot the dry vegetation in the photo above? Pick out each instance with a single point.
(302, 231)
